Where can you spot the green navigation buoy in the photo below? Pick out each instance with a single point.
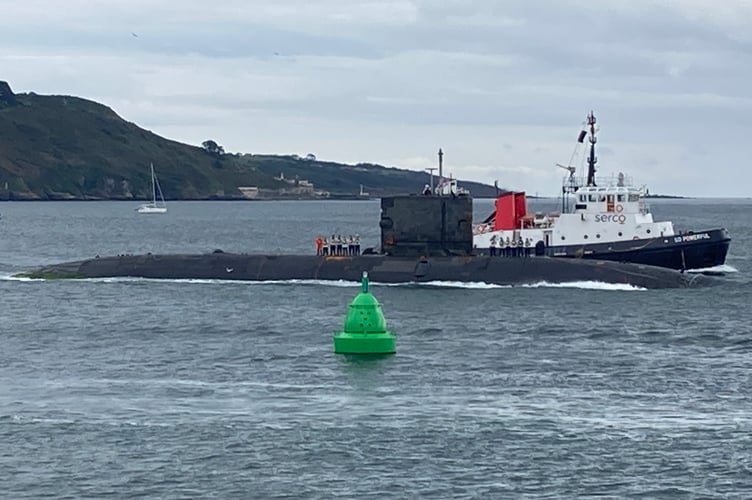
(365, 327)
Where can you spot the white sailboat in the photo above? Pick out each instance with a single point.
(157, 205)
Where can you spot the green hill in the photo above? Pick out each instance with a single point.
(63, 147)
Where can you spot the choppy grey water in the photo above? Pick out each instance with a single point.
(134, 388)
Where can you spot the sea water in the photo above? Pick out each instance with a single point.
(133, 388)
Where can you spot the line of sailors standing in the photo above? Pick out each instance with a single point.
(338, 245)
(510, 248)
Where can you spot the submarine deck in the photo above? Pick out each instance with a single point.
(381, 268)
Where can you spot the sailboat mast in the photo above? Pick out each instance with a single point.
(591, 159)
(153, 186)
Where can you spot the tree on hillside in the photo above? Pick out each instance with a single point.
(213, 148)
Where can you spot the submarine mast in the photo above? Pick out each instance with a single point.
(591, 159)
(441, 166)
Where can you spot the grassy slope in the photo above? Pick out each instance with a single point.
(54, 147)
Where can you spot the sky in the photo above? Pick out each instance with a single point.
(503, 87)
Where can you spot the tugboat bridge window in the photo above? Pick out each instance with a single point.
(620, 198)
(583, 197)
(592, 197)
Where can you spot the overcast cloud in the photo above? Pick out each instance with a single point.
(502, 86)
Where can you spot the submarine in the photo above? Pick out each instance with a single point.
(424, 238)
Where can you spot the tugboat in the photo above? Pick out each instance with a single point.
(610, 220)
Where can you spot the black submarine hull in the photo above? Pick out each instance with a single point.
(381, 269)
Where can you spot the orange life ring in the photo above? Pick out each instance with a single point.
(619, 208)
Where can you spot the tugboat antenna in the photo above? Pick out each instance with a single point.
(591, 159)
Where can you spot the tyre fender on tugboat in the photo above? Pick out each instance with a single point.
(540, 248)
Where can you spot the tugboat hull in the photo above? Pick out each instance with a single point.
(692, 250)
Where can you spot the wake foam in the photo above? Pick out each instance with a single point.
(723, 268)
(478, 285)
(587, 285)
(11, 277)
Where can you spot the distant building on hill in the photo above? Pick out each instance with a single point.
(250, 192)
(294, 188)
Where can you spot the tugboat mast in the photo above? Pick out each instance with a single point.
(591, 159)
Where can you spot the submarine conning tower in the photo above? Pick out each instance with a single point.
(427, 225)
